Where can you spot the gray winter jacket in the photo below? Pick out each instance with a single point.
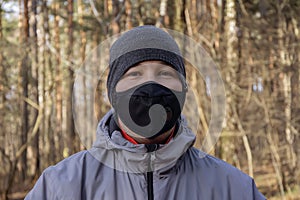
(117, 169)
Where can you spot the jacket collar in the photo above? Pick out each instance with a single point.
(114, 151)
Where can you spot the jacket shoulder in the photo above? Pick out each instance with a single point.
(224, 176)
(204, 160)
(70, 165)
(54, 179)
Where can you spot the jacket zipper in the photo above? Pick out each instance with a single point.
(151, 148)
(150, 185)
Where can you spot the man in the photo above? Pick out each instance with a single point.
(143, 148)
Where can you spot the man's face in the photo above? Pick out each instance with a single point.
(156, 71)
(160, 73)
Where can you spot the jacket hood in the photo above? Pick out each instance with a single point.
(118, 153)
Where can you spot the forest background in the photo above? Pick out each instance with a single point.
(255, 44)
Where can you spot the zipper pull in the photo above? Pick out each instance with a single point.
(151, 147)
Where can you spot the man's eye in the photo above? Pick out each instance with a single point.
(166, 73)
(132, 74)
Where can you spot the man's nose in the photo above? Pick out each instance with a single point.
(150, 77)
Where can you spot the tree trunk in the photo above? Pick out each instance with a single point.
(220, 149)
(3, 123)
(180, 22)
(129, 16)
(1, 33)
(136, 18)
(2, 71)
(70, 122)
(47, 141)
(242, 72)
(86, 105)
(35, 91)
(83, 38)
(115, 19)
(295, 107)
(24, 74)
(58, 80)
(231, 69)
(216, 25)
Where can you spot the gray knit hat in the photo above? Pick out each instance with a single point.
(142, 44)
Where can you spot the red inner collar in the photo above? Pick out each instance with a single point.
(130, 139)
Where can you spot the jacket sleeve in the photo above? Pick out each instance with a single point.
(43, 189)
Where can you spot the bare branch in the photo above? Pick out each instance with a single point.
(32, 135)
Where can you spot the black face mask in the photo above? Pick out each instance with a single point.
(149, 109)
